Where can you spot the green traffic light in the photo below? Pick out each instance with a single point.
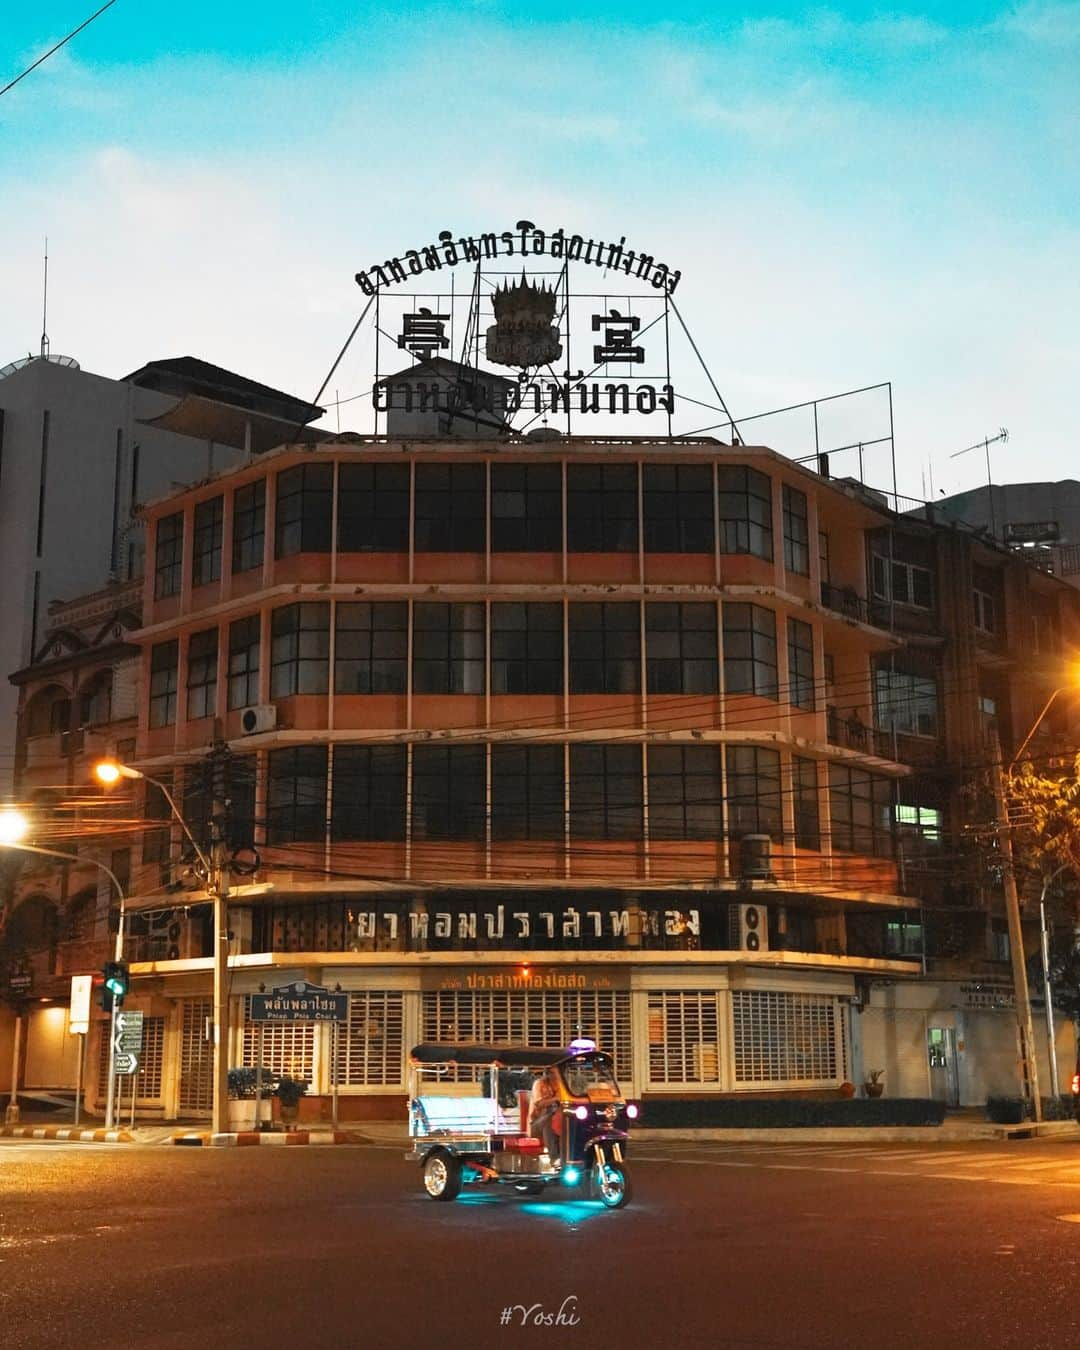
(115, 986)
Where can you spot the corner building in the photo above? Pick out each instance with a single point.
(508, 722)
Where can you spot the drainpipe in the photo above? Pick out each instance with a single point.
(11, 1115)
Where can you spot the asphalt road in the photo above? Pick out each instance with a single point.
(738, 1246)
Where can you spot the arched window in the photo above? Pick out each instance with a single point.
(95, 700)
(81, 913)
(48, 711)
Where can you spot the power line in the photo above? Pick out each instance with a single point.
(61, 43)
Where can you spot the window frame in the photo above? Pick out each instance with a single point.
(245, 670)
(689, 671)
(532, 812)
(802, 686)
(377, 813)
(202, 674)
(678, 814)
(310, 674)
(291, 767)
(376, 671)
(848, 833)
(249, 526)
(439, 662)
(164, 683)
(451, 518)
(456, 812)
(534, 529)
(591, 625)
(527, 668)
(753, 806)
(384, 526)
(593, 524)
(678, 518)
(796, 531)
(306, 526)
(208, 528)
(744, 511)
(168, 555)
(762, 654)
(599, 809)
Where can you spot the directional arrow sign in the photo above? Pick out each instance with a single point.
(128, 1037)
(125, 1062)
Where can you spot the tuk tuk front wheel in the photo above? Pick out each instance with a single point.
(611, 1184)
(442, 1175)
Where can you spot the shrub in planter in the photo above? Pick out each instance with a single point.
(288, 1092)
(1005, 1110)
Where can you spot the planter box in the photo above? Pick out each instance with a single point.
(242, 1113)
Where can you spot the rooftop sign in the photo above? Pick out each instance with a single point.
(525, 241)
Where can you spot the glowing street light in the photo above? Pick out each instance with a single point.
(14, 825)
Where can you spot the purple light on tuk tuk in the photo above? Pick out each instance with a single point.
(631, 1110)
(581, 1045)
(582, 1112)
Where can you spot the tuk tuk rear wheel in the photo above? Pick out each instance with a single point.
(612, 1186)
(442, 1175)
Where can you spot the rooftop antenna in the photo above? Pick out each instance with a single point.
(986, 443)
(45, 306)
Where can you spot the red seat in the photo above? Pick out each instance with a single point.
(522, 1143)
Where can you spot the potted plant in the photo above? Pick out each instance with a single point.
(242, 1098)
(288, 1092)
(874, 1087)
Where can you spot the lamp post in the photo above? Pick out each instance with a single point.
(14, 827)
(214, 870)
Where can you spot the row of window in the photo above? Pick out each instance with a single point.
(698, 792)
(683, 508)
(450, 652)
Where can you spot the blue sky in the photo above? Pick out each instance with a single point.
(853, 194)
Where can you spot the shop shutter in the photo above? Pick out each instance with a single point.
(287, 1048)
(684, 1040)
(196, 1056)
(785, 1038)
(371, 1044)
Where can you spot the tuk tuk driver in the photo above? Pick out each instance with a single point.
(543, 1103)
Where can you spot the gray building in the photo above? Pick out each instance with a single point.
(79, 453)
(1040, 519)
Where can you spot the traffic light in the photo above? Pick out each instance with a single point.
(116, 984)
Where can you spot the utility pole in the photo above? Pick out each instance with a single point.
(218, 886)
(1029, 1073)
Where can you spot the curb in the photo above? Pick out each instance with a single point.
(71, 1133)
(255, 1138)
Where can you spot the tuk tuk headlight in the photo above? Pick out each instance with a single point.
(582, 1112)
(631, 1111)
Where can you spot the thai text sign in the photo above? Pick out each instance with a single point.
(526, 240)
(299, 1002)
(556, 978)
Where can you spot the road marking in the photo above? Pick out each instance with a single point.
(1069, 1218)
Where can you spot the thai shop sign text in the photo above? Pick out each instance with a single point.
(299, 1002)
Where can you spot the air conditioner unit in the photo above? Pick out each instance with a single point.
(170, 936)
(261, 717)
(749, 928)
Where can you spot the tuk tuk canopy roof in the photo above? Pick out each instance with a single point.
(508, 1056)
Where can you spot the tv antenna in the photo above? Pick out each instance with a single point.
(985, 444)
(45, 306)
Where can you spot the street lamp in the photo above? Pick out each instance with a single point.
(14, 827)
(214, 871)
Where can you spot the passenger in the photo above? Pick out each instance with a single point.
(543, 1104)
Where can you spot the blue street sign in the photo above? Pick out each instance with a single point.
(299, 1002)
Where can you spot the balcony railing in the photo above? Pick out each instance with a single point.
(845, 600)
(850, 731)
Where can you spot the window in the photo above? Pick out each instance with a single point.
(905, 583)
(526, 648)
(95, 700)
(527, 792)
(860, 811)
(300, 649)
(823, 557)
(448, 792)
(680, 648)
(373, 508)
(450, 508)
(745, 511)
(779, 1037)
(1043, 631)
(804, 783)
(684, 1036)
(685, 792)
(678, 508)
(601, 508)
(240, 774)
(304, 506)
(249, 526)
(206, 543)
(448, 649)
(369, 792)
(753, 791)
(202, 674)
(244, 637)
(605, 792)
(903, 937)
(919, 827)
(985, 611)
(168, 555)
(164, 658)
(296, 795)
(526, 508)
(60, 715)
(605, 648)
(796, 532)
(1000, 949)
(906, 702)
(749, 650)
(371, 651)
(800, 648)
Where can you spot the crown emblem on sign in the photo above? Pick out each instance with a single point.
(522, 334)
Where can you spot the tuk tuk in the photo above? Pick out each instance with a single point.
(469, 1109)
